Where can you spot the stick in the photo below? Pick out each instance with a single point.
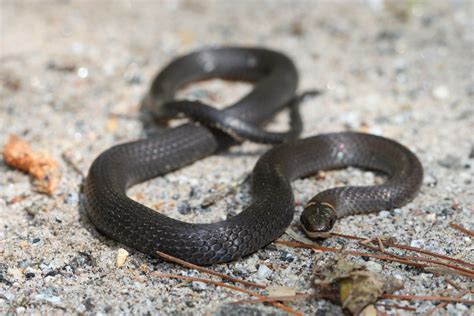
(462, 229)
(229, 286)
(208, 271)
(428, 298)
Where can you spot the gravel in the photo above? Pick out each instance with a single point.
(73, 75)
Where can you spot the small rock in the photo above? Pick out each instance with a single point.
(133, 78)
(82, 72)
(23, 244)
(199, 286)
(20, 310)
(184, 208)
(34, 209)
(263, 255)
(122, 255)
(3, 271)
(236, 310)
(430, 180)
(286, 256)
(49, 298)
(81, 260)
(71, 198)
(384, 214)
(451, 162)
(441, 92)
(374, 266)
(30, 270)
(263, 271)
(88, 304)
(369, 311)
(471, 153)
(431, 217)
(470, 90)
(417, 243)
(15, 273)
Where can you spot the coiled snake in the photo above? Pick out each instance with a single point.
(275, 82)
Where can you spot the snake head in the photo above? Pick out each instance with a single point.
(318, 218)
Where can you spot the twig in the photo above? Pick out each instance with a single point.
(443, 304)
(229, 286)
(264, 299)
(427, 298)
(453, 284)
(350, 252)
(429, 253)
(366, 254)
(406, 247)
(413, 258)
(462, 229)
(209, 271)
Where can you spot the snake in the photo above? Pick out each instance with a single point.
(275, 79)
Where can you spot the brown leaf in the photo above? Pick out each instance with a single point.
(351, 285)
(18, 154)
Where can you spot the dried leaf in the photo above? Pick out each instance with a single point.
(18, 154)
(352, 286)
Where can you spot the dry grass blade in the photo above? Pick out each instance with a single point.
(443, 304)
(406, 247)
(208, 271)
(229, 286)
(264, 299)
(412, 258)
(462, 229)
(428, 298)
(349, 252)
(395, 258)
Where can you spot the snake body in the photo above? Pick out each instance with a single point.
(275, 77)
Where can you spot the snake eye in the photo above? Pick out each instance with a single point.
(318, 218)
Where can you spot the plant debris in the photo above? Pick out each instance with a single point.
(351, 285)
(18, 154)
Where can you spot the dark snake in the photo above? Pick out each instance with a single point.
(271, 212)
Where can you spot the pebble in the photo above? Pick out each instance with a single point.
(15, 273)
(374, 266)
(430, 180)
(34, 209)
(3, 271)
(199, 286)
(417, 243)
(451, 162)
(431, 217)
(184, 208)
(237, 310)
(82, 260)
(71, 198)
(441, 92)
(122, 256)
(49, 298)
(263, 271)
(286, 256)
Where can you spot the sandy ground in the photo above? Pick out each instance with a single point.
(73, 74)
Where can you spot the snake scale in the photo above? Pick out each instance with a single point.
(275, 80)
